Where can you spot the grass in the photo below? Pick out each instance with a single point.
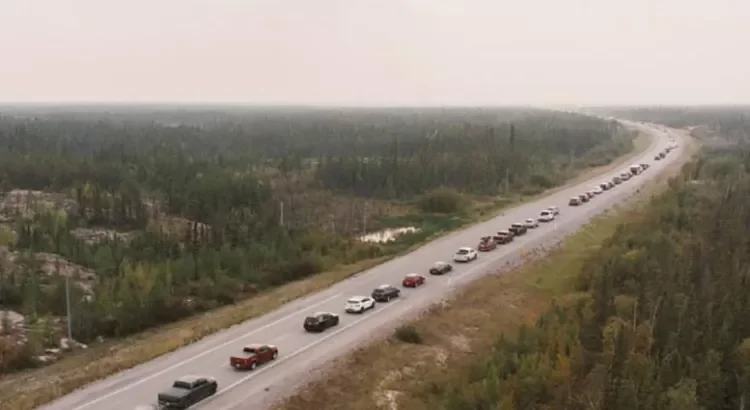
(440, 348)
(34, 388)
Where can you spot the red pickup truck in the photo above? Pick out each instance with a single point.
(254, 355)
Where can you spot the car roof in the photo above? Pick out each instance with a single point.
(547, 211)
(516, 223)
(358, 298)
(384, 286)
(412, 275)
(439, 263)
(254, 346)
(190, 379)
(320, 313)
(530, 219)
(464, 248)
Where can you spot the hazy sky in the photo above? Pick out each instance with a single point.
(373, 52)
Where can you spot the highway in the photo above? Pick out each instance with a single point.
(302, 353)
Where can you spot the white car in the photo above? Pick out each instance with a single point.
(546, 216)
(531, 223)
(465, 255)
(597, 190)
(554, 210)
(358, 304)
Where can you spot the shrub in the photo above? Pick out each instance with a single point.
(409, 334)
(443, 200)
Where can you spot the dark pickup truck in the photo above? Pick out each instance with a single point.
(187, 391)
(518, 229)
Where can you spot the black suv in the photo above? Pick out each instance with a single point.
(384, 293)
(321, 321)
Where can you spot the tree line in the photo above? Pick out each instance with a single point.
(219, 174)
(660, 321)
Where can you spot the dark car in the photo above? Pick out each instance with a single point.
(441, 268)
(583, 197)
(503, 237)
(384, 293)
(187, 391)
(604, 186)
(486, 244)
(321, 321)
(617, 180)
(518, 229)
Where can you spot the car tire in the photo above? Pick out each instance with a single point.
(275, 355)
(253, 365)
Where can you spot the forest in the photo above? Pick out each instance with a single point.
(194, 208)
(657, 317)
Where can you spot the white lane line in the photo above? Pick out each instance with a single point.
(298, 352)
(201, 354)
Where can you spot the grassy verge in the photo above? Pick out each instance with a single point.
(404, 371)
(29, 390)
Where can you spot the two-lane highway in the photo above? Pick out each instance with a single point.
(301, 352)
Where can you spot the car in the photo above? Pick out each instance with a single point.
(610, 184)
(625, 176)
(518, 229)
(321, 321)
(546, 216)
(358, 304)
(644, 167)
(604, 186)
(253, 356)
(617, 180)
(574, 201)
(583, 197)
(384, 293)
(441, 268)
(662, 155)
(597, 190)
(465, 255)
(657, 158)
(187, 391)
(531, 223)
(503, 237)
(555, 211)
(486, 244)
(590, 194)
(413, 280)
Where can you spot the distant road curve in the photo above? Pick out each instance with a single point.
(301, 352)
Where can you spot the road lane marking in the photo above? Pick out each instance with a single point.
(201, 354)
(296, 353)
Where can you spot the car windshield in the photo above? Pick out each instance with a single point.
(462, 251)
(354, 301)
(251, 349)
(545, 212)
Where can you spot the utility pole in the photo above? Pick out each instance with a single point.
(67, 304)
(281, 213)
(364, 218)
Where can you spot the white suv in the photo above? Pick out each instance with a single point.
(465, 255)
(546, 216)
(358, 304)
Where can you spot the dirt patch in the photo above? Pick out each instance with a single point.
(24, 203)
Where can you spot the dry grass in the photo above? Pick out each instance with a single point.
(391, 374)
(29, 390)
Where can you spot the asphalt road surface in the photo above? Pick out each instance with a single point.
(302, 353)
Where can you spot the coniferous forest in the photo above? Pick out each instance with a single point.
(159, 213)
(658, 317)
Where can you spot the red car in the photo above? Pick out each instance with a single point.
(254, 355)
(486, 244)
(413, 280)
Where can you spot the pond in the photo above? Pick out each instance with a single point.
(387, 235)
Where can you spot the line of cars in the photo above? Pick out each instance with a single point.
(625, 175)
(189, 390)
